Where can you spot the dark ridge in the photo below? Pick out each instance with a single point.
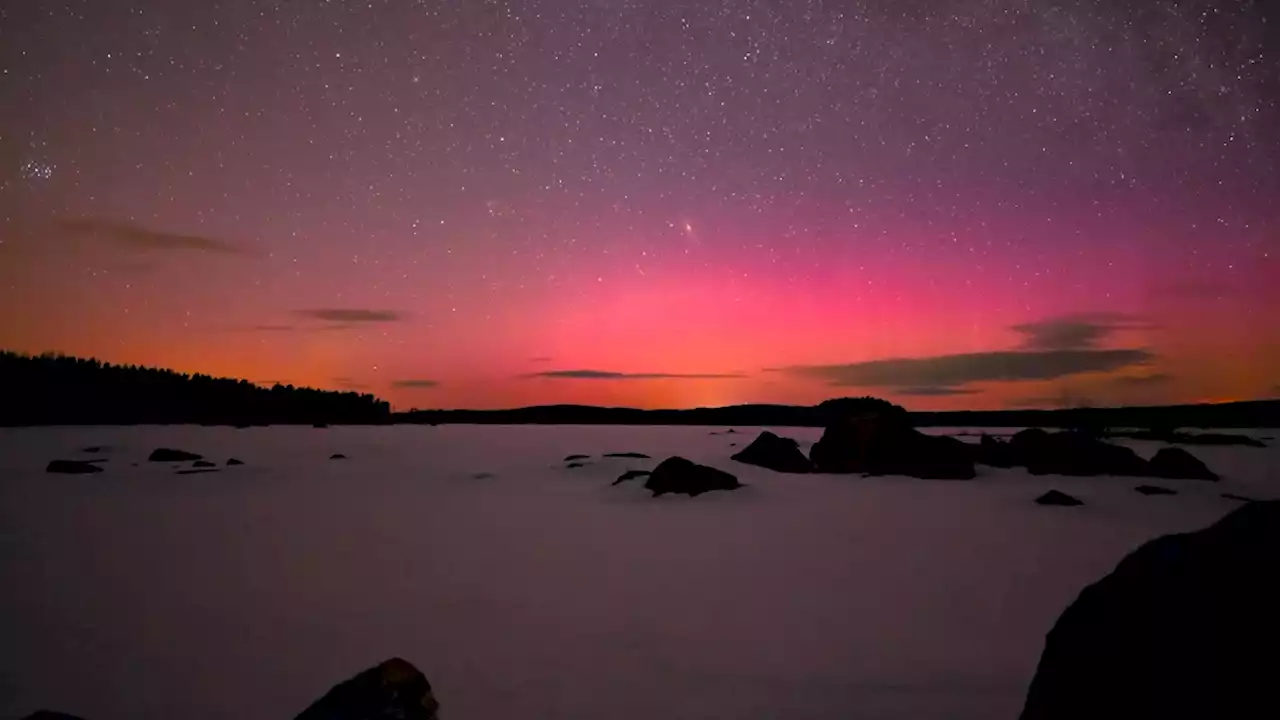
(1248, 414)
(54, 389)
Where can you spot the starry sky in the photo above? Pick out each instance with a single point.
(652, 203)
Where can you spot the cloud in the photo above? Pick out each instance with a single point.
(936, 391)
(128, 234)
(351, 315)
(951, 371)
(1076, 332)
(1143, 380)
(610, 375)
(415, 383)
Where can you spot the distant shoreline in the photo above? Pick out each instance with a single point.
(1258, 414)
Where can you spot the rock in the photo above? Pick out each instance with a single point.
(337, 456)
(203, 464)
(678, 475)
(575, 465)
(234, 461)
(51, 715)
(1072, 453)
(482, 476)
(635, 455)
(885, 444)
(171, 455)
(95, 449)
(1155, 490)
(1176, 463)
(995, 452)
(1184, 627)
(775, 453)
(1240, 498)
(571, 458)
(394, 689)
(197, 471)
(631, 475)
(72, 467)
(1053, 497)
(730, 431)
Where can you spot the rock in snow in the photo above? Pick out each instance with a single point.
(775, 453)
(881, 444)
(1185, 627)
(1176, 463)
(171, 455)
(72, 467)
(393, 689)
(631, 475)
(1155, 490)
(678, 475)
(1054, 497)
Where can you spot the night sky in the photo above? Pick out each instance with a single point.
(479, 203)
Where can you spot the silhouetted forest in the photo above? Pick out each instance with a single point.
(54, 389)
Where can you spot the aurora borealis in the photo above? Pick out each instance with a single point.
(978, 204)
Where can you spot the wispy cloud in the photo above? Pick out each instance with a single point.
(952, 371)
(1076, 332)
(351, 315)
(1147, 380)
(611, 375)
(415, 383)
(128, 234)
(936, 391)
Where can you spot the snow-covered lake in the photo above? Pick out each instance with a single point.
(542, 592)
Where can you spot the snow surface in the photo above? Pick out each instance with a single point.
(541, 592)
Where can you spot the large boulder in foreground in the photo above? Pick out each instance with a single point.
(678, 475)
(1186, 627)
(774, 453)
(393, 689)
(1176, 463)
(885, 444)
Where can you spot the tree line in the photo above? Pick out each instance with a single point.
(56, 389)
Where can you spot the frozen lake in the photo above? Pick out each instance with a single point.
(542, 592)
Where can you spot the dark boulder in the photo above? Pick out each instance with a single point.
(95, 449)
(1061, 499)
(634, 455)
(197, 471)
(1176, 463)
(171, 455)
(72, 467)
(995, 452)
(678, 475)
(1238, 498)
(1185, 627)
(885, 444)
(631, 475)
(1072, 453)
(51, 715)
(337, 456)
(1155, 490)
(571, 458)
(203, 464)
(234, 461)
(394, 689)
(775, 453)
(575, 465)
